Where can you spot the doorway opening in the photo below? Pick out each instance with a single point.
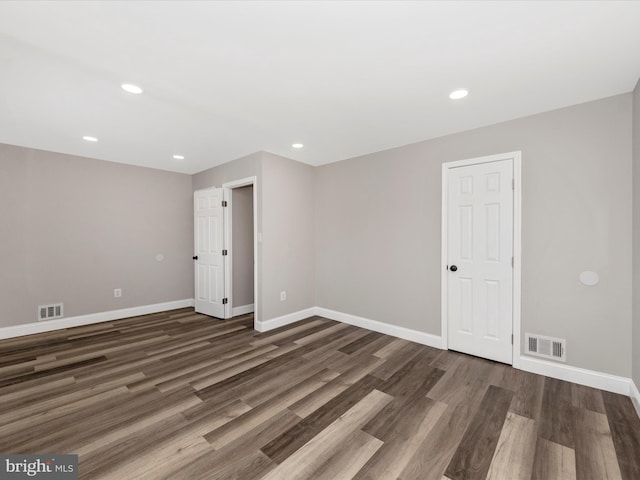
(240, 285)
(226, 249)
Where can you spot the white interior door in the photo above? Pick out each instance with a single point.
(480, 228)
(209, 252)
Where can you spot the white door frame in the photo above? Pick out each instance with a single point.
(516, 157)
(228, 275)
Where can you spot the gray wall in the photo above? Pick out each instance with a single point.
(242, 246)
(249, 166)
(378, 229)
(72, 229)
(288, 235)
(636, 235)
(360, 236)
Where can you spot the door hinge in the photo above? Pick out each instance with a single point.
(513, 184)
(512, 262)
(225, 301)
(224, 203)
(512, 339)
(224, 252)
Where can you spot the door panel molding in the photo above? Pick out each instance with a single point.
(516, 158)
(208, 252)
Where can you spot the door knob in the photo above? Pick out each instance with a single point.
(196, 257)
(453, 268)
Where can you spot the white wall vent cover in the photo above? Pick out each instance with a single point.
(49, 312)
(548, 347)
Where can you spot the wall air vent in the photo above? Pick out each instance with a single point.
(547, 347)
(50, 312)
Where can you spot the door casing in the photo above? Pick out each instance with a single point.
(228, 230)
(517, 241)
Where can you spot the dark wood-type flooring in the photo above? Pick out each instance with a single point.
(179, 395)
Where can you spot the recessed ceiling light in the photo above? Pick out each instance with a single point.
(89, 139)
(179, 157)
(130, 88)
(297, 145)
(458, 94)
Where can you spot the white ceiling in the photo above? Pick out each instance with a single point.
(225, 79)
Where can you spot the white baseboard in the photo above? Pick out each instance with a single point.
(243, 310)
(582, 376)
(393, 330)
(59, 324)
(635, 397)
(278, 322)
(376, 326)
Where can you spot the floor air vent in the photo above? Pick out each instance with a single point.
(548, 347)
(49, 312)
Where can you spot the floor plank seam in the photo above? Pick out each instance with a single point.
(181, 395)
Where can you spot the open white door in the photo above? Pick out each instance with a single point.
(209, 252)
(479, 245)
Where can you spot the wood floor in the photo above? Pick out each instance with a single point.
(182, 396)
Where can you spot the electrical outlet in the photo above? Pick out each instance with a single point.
(117, 292)
(283, 296)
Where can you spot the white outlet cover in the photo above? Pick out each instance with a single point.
(589, 278)
(159, 257)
